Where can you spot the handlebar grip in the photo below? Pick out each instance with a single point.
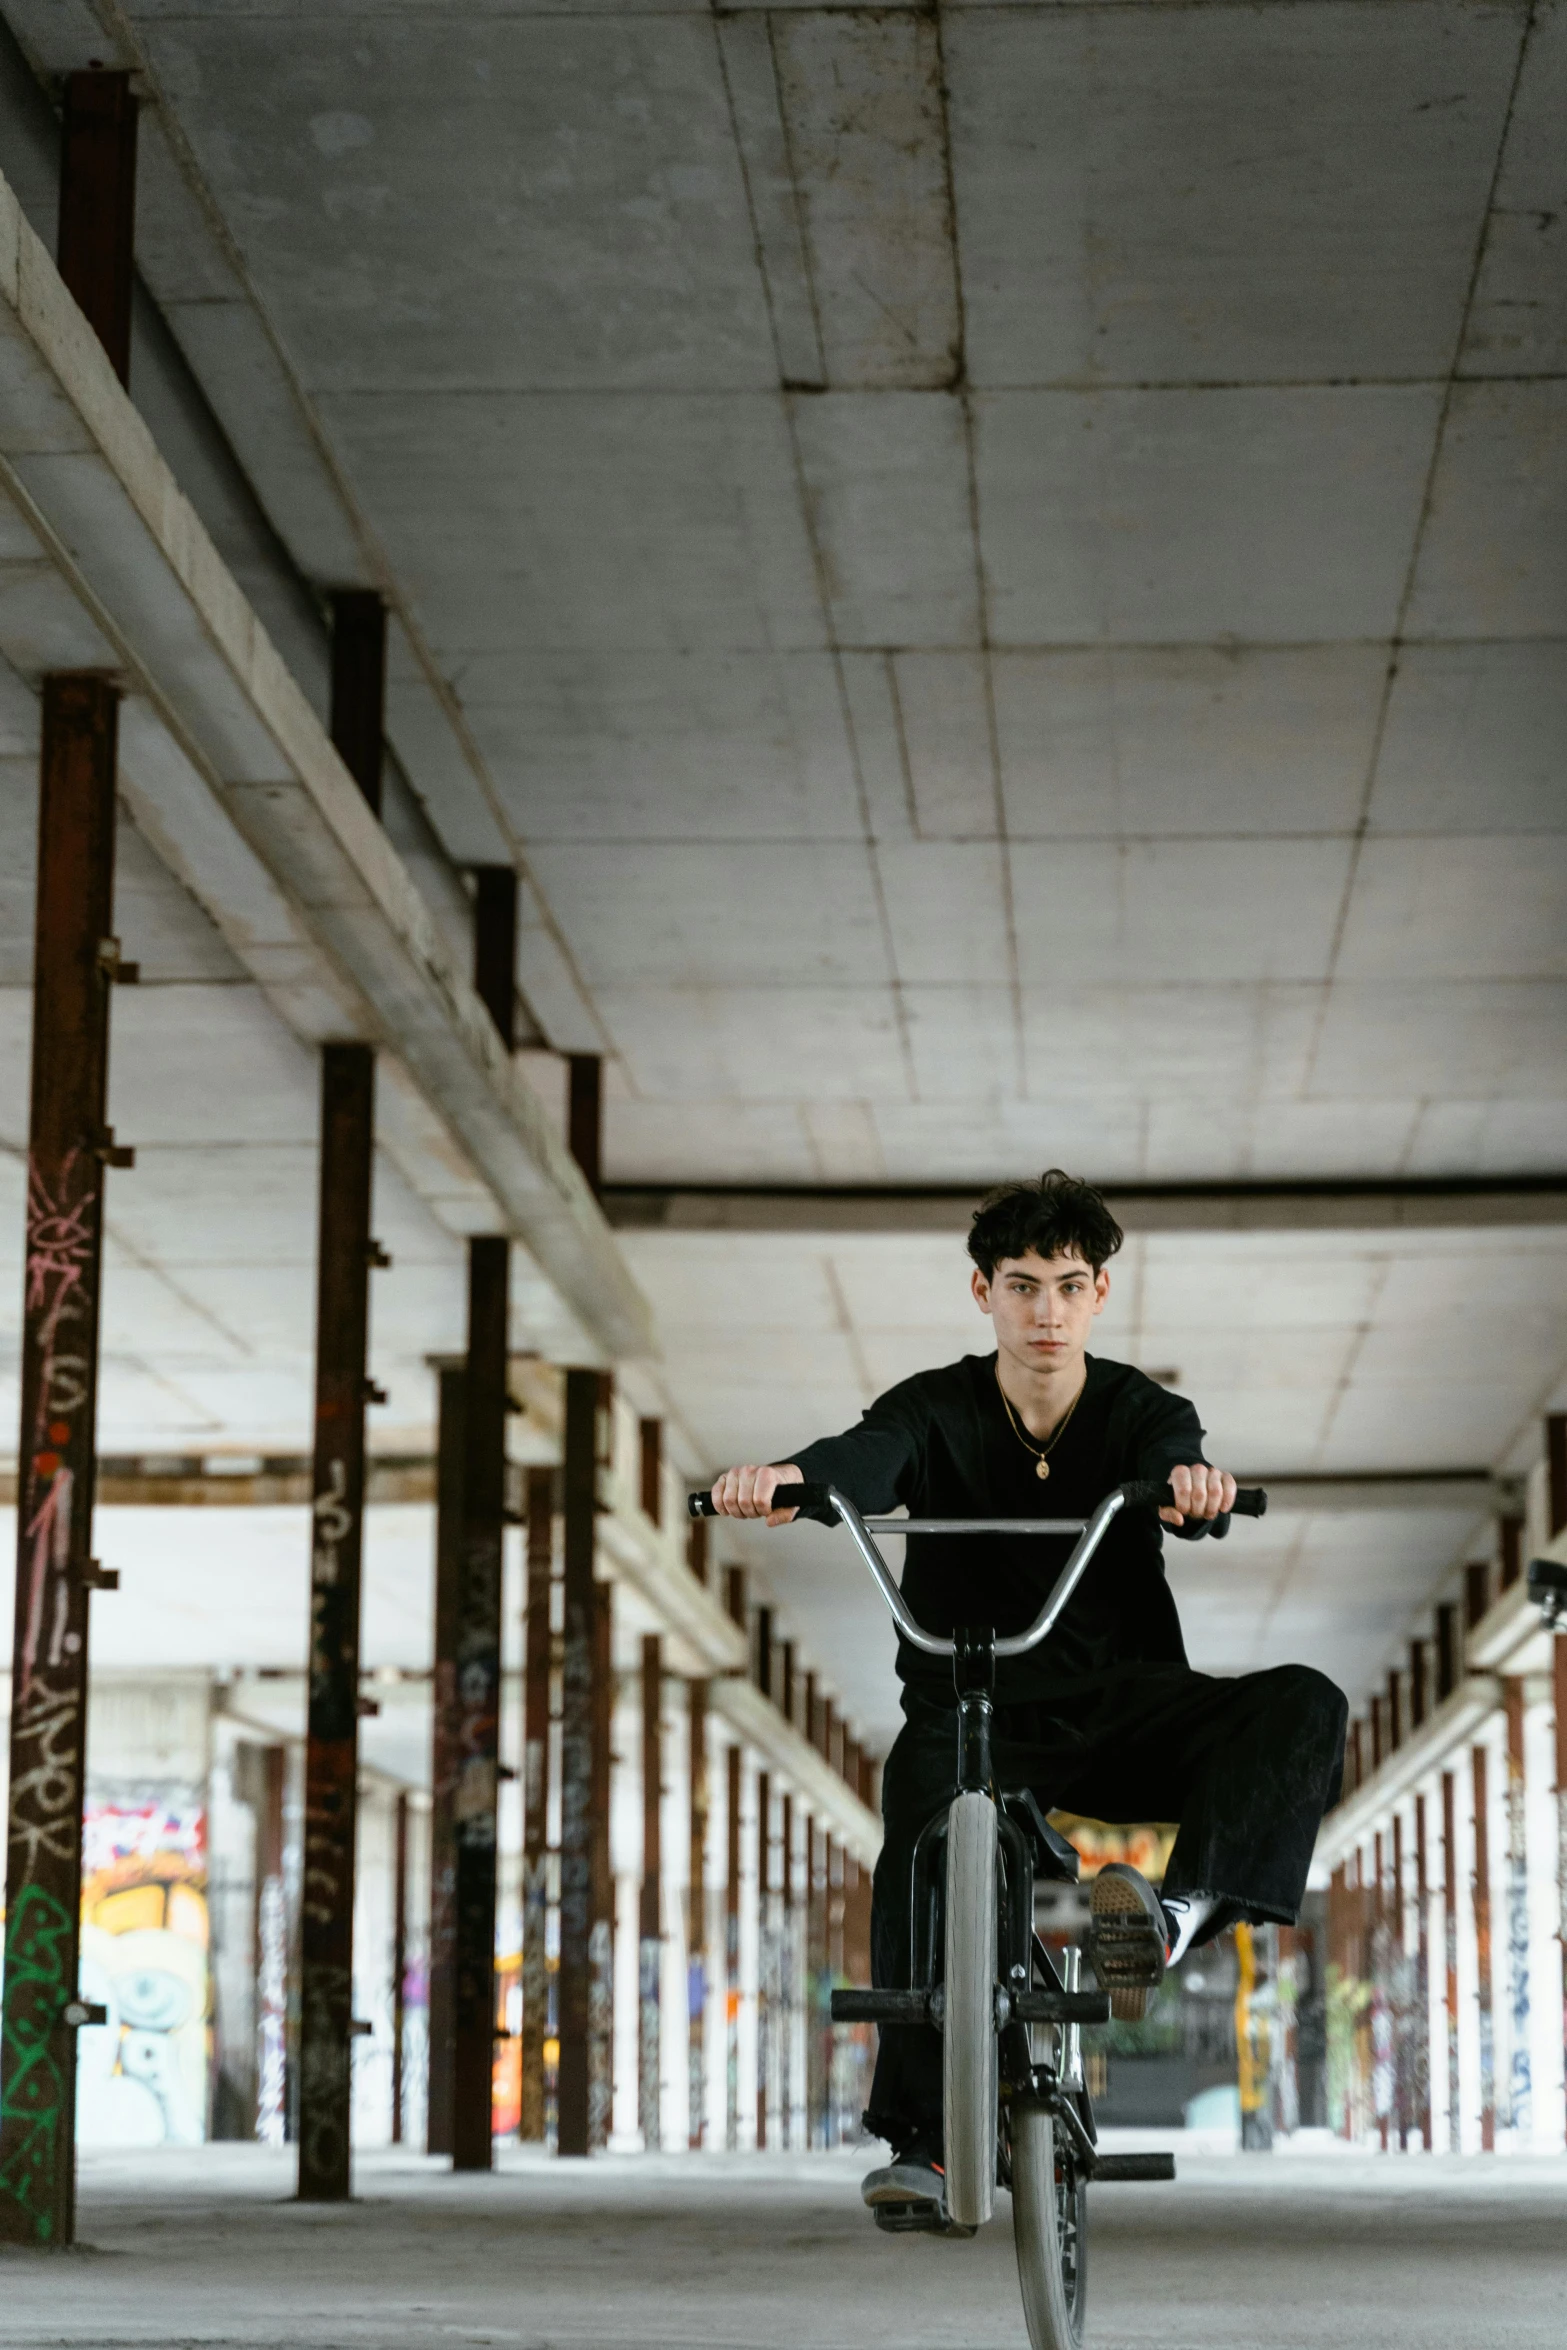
(785, 1497)
(1251, 1501)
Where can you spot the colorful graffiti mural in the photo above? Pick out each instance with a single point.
(142, 2076)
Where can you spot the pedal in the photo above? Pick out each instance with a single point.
(1110, 2169)
(908, 2219)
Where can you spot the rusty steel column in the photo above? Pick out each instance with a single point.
(450, 1444)
(75, 958)
(765, 1998)
(1559, 1695)
(1450, 1958)
(358, 718)
(399, 1960)
(601, 1936)
(1479, 1760)
(539, 1653)
(585, 1114)
(650, 1946)
(264, 1770)
(732, 1790)
(1520, 2084)
(337, 1539)
(96, 223)
(1423, 1974)
(478, 1702)
(696, 1921)
(576, 1759)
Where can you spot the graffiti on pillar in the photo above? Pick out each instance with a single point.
(44, 1827)
(601, 1977)
(271, 2012)
(1519, 2082)
(38, 1951)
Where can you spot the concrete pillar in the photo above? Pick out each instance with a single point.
(75, 959)
(580, 1485)
(538, 1639)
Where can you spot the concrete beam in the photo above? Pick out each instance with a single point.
(1373, 1205)
(1384, 1489)
(233, 779)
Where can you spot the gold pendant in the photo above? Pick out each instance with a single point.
(1041, 1468)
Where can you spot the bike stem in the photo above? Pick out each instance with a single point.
(974, 1675)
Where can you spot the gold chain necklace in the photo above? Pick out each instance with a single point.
(1041, 1454)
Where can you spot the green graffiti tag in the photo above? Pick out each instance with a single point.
(38, 1946)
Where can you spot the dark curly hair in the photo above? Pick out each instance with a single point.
(1054, 1217)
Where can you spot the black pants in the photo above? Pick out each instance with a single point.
(1248, 1767)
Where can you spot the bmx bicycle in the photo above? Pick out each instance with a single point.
(1016, 2106)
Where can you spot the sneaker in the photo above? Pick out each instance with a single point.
(908, 2192)
(1128, 1939)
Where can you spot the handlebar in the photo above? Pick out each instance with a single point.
(1251, 1501)
(1138, 1493)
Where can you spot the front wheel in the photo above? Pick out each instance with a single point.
(969, 2053)
(1050, 2228)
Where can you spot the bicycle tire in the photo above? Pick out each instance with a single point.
(1050, 2232)
(969, 2052)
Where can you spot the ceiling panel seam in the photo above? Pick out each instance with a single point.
(982, 590)
(788, 399)
(1406, 594)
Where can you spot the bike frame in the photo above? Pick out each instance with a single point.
(1022, 1831)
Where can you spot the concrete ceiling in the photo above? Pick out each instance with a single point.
(1001, 570)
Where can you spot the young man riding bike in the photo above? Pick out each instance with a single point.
(1106, 1718)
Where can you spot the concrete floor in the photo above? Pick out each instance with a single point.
(772, 2253)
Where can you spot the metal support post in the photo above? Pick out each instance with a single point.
(650, 1947)
(539, 1652)
(399, 1961)
(450, 1442)
(696, 1923)
(94, 243)
(1422, 2001)
(74, 960)
(1479, 1759)
(478, 1702)
(815, 1985)
(788, 1955)
(585, 1114)
(601, 1939)
(732, 1951)
(359, 686)
(337, 1541)
(1520, 2084)
(766, 1999)
(1450, 1958)
(576, 1758)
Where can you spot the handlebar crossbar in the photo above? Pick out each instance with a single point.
(1250, 1502)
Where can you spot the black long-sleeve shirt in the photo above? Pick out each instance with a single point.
(942, 1443)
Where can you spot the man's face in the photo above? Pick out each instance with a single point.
(1042, 1307)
